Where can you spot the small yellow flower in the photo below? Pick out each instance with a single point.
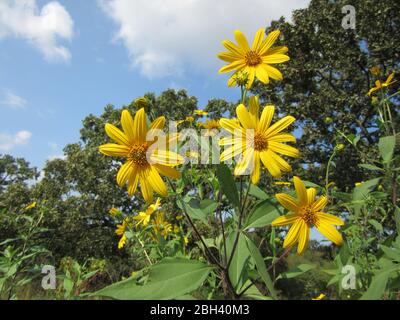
(258, 141)
(212, 124)
(144, 217)
(180, 217)
(162, 226)
(282, 183)
(141, 166)
(122, 242)
(306, 212)
(185, 241)
(122, 227)
(328, 120)
(376, 70)
(189, 119)
(256, 60)
(114, 212)
(379, 85)
(358, 184)
(320, 297)
(192, 154)
(177, 229)
(201, 113)
(239, 79)
(339, 147)
(31, 206)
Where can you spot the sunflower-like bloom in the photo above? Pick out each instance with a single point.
(306, 212)
(120, 231)
(255, 61)
(31, 206)
(144, 217)
(201, 113)
(258, 141)
(161, 226)
(143, 165)
(379, 85)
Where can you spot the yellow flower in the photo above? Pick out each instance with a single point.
(306, 212)
(255, 61)
(201, 113)
(122, 227)
(379, 85)
(212, 124)
(189, 119)
(122, 242)
(144, 217)
(261, 145)
(239, 79)
(375, 70)
(177, 229)
(282, 183)
(180, 217)
(320, 297)
(185, 241)
(358, 184)
(339, 147)
(162, 226)
(132, 145)
(114, 212)
(31, 206)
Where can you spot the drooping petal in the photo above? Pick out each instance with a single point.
(270, 163)
(124, 173)
(311, 194)
(166, 158)
(244, 117)
(330, 232)
(293, 234)
(114, 150)
(133, 181)
(127, 125)
(285, 220)
(288, 202)
(273, 73)
(269, 41)
(301, 191)
(145, 187)
(157, 183)
(168, 171)
(275, 58)
(241, 40)
(266, 118)
(251, 72)
(319, 204)
(304, 236)
(255, 176)
(236, 65)
(329, 218)
(284, 149)
(262, 73)
(280, 125)
(117, 135)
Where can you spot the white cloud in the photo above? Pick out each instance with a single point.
(42, 28)
(162, 37)
(10, 141)
(11, 99)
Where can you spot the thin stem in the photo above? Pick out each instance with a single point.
(219, 213)
(327, 172)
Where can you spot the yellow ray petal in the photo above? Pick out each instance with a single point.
(283, 149)
(127, 125)
(254, 108)
(304, 237)
(270, 164)
(280, 125)
(114, 150)
(157, 183)
(293, 234)
(145, 187)
(282, 164)
(283, 137)
(269, 41)
(124, 173)
(319, 204)
(262, 73)
(275, 58)
(288, 202)
(311, 194)
(301, 191)
(133, 181)
(277, 50)
(232, 151)
(140, 126)
(273, 73)
(232, 126)
(266, 118)
(158, 123)
(330, 219)
(246, 163)
(168, 171)
(258, 39)
(285, 220)
(255, 176)
(229, 56)
(166, 158)
(117, 135)
(236, 65)
(244, 117)
(241, 40)
(330, 232)
(233, 48)
(251, 71)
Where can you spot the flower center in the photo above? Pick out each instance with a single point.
(308, 215)
(137, 154)
(260, 141)
(252, 58)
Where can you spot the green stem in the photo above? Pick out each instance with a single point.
(328, 166)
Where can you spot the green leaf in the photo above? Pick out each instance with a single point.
(376, 225)
(168, 279)
(386, 147)
(370, 167)
(198, 210)
(227, 184)
(378, 286)
(263, 213)
(238, 267)
(391, 253)
(397, 219)
(295, 272)
(257, 192)
(260, 264)
(360, 192)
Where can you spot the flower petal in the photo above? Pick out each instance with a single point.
(282, 164)
(311, 194)
(277, 50)
(244, 117)
(168, 171)
(255, 176)
(241, 40)
(158, 123)
(330, 219)
(285, 220)
(236, 65)
(301, 191)
(229, 56)
(288, 202)
(133, 181)
(117, 135)
(166, 158)
(270, 163)
(258, 39)
(254, 108)
(266, 118)
(233, 48)
(319, 204)
(124, 173)
(330, 232)
(140, 126)
(304, 237)
(280, 125)
(269, 41)
(273, 73)
(262, 73)
(284, 149)
(293, 234)
(246, 164)
(157, 183)
(283, 137)
(232, 126)
(114, 150)
(145, 187)
(275, 58)
(127, 125)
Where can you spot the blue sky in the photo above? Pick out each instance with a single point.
(45, 91)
